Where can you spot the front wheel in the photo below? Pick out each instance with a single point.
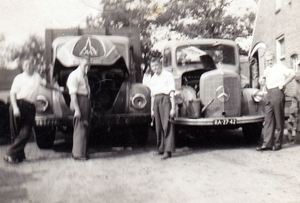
(44, 137)
(252, 132)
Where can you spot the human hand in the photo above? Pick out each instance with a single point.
(262, 81)
(17, 112)
(77, 114)
(281, 87)
(172, 113)
(152, 113)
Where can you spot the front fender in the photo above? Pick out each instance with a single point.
(136, 89)
(57, 106)
(249, 106)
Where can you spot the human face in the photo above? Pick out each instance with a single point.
(27, 67)
(269, 60)
(156, 67)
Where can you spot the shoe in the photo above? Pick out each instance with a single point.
(128, 148)
(274, 148)
(9, 159)
(157, 153)
(82, 158)
(166, 155)
(118, 149)
(263, 148)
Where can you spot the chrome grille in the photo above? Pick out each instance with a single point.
(214, 84)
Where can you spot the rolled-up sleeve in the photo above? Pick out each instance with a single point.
(72, 84)
(15, 87)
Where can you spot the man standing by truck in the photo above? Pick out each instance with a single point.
(275, 78)
(79, 91)
(23, 94)
(163, 107)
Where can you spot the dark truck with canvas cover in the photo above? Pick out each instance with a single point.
(210, 95)
(6, 78)
(117, 98)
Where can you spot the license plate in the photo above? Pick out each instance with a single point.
(225, 121)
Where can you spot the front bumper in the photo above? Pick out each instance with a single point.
(100, 119)
(210, 121)
(43, 121)
(122, 119)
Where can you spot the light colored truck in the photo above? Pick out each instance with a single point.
(210, 89)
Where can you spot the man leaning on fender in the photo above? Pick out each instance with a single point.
(275, 78)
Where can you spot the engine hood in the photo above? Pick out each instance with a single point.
(100, 50)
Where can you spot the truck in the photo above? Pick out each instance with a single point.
(6, 78)
(118, 98)
(211, 91)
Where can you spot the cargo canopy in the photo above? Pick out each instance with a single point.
(100, 50)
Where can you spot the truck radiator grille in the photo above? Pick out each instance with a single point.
(225, 90)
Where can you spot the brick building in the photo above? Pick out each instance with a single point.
(277, 28)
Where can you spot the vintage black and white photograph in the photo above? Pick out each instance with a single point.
(149, 101)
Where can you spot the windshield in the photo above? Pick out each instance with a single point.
(192, 54)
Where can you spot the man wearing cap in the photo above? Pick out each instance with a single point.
(162, 87)
(79, 91)
(275, 78)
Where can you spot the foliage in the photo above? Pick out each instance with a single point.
(192, 18)
(205, 19)
(33, 49)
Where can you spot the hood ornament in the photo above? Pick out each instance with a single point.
(222, 93)
(88, 49)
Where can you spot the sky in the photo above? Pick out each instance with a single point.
(20, 18)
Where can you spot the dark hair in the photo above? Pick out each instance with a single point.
(155, 55)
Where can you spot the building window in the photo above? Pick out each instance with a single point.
(280, 49)
(295, 62)
(278, 5)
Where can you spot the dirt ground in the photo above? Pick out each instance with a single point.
(219, 167)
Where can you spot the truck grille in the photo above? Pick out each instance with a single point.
(224, 88)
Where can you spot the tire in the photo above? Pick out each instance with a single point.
(140, 134)
(252, 132)
(44, 137)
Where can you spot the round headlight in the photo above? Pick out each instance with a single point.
(257, 95)
(41, 103)
(179, 97)
(139, 101)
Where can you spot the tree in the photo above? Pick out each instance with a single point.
(192, 18)
(119, 13)
(205, 19)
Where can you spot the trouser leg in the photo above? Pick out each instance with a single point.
(25, 124)
(158, 125)
(279, 118)
(269, 125)
(164, 129)
(168, 127)
(81, 128)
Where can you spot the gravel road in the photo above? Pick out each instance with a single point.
(219, 167)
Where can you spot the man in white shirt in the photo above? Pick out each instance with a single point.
(79, 91)
(162, 87)
(23, 94)
(275, 78)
